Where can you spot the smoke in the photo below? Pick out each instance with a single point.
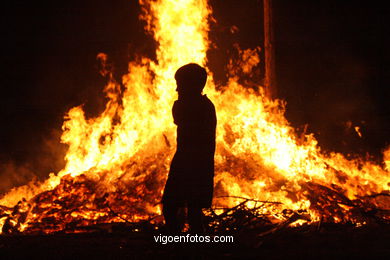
(48, 158)
(12, 175)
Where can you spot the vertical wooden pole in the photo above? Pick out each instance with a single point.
(269, 80)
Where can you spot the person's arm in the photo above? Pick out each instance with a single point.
(176, 113)
(207, 133)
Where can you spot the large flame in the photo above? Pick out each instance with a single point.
(118, 161)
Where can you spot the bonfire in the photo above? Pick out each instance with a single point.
(266, 173)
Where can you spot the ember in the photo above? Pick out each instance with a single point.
(266, 174)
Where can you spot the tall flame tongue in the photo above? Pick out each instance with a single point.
(118, 162)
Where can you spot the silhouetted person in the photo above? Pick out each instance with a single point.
(190, 179)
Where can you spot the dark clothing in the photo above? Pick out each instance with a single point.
(174, 219)
(190, 179)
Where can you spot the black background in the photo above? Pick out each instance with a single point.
(332, 62)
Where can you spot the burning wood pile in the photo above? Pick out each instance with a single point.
(74, 207)
(267, 176)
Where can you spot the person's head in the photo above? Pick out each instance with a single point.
(190, 80)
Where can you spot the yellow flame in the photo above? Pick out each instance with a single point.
(357, 130)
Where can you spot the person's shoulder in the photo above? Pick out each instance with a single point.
(208, 102)
(177, 103)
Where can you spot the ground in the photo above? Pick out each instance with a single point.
(117, 242)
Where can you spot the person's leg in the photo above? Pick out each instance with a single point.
(171, 216)
(195, 219)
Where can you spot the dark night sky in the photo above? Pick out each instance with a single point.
(332, 62)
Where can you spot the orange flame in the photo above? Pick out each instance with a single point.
(123, 155)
